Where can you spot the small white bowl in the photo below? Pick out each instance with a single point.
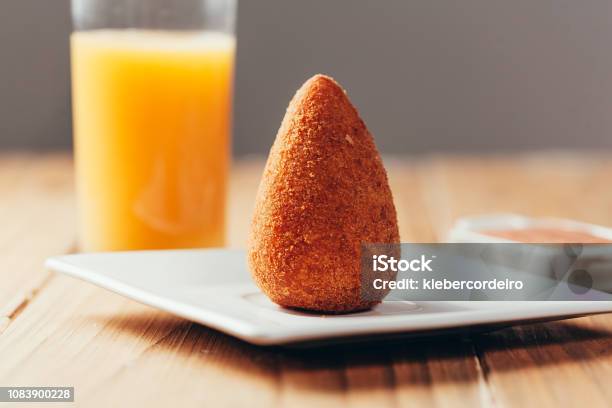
(470, 229)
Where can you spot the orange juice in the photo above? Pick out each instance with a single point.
(151, 132)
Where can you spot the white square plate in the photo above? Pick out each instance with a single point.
(214, 288)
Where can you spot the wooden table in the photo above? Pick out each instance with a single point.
(59, 331)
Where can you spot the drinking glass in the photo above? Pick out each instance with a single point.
(152, 89)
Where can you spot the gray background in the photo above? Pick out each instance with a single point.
(426, 74)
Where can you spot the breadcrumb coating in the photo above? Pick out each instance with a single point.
(323, 194)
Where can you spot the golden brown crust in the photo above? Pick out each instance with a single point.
(324, 192)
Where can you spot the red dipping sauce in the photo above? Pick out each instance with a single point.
(546, 235)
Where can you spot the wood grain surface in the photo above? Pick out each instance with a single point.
(58, 331)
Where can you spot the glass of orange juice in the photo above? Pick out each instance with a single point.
(152, 85)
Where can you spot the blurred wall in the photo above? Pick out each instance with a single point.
(425, 74)
(34, 73)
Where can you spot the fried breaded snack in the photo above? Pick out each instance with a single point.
(324, 192)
